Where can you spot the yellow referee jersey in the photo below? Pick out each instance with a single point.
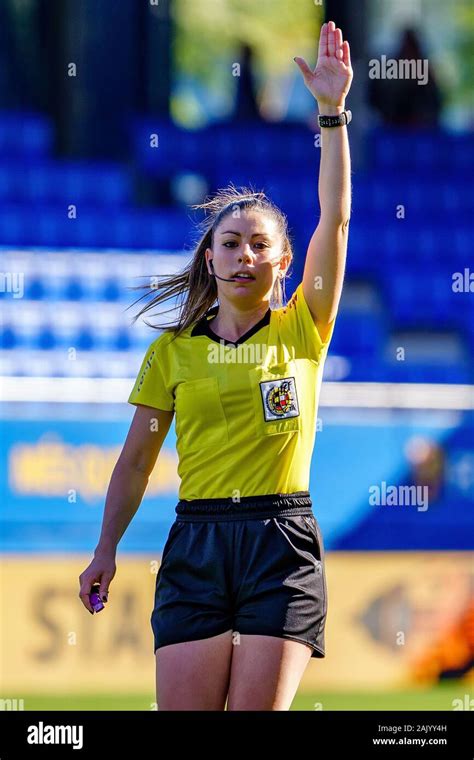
(245, 411)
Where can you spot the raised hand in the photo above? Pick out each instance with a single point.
(331, 79)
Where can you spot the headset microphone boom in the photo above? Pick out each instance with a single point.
(233, 279)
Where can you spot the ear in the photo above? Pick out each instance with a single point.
(208, 256)
(284, 264)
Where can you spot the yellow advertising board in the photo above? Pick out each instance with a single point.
(394, 620)
(397, 620)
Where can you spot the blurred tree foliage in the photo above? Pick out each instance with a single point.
(209, 34)
(465, 52)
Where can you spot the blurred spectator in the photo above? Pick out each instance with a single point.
(405, 101)
(246, 108)
(427, 460)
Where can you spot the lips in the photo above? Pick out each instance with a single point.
(244, 276)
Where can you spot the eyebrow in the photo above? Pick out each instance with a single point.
(256, 234)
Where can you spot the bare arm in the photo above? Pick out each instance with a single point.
(127, 486)
(131, 473)
(325, 260)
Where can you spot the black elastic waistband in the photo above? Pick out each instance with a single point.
(247, 507)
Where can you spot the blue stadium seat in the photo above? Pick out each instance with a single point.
(25, 134)
(122, 341)
(111, 291)
(8, 338)
(73, 290)
(85, 340)
(421, 299)
(46, 339)
(209, 149)
(67, 182)
(409, 261)
(420, 149)
(128, 228)
(360, 334)
(34, 289)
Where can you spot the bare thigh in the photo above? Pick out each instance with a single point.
(266, 672)
(194, 675)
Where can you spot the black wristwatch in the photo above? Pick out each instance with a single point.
(340, 120)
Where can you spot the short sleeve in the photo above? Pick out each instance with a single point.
(296, 324)
(153, 386)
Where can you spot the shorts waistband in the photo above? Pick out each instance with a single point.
(247, 507)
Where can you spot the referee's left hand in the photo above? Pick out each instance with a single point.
(331, 79)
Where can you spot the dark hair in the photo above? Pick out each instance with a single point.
(194, 280)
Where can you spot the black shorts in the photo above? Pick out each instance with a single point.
(253, 567)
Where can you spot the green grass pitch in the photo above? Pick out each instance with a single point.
(439, 698)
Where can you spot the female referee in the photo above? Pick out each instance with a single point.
(240, 601)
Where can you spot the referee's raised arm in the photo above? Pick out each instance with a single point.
(325, 260)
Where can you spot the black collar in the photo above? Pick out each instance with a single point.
(202, 328)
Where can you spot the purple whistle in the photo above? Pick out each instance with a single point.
(95, 600)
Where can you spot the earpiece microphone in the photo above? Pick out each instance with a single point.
(216, 275)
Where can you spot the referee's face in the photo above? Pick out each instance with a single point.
(250, 242)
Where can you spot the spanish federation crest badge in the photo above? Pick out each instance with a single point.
(279, 399)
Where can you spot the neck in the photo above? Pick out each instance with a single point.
(231, 323)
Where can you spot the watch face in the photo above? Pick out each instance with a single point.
(329, 121)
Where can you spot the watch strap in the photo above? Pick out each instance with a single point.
(339, 120)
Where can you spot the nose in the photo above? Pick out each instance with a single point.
(245, 255)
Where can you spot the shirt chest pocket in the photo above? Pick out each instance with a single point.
(200, 418)
(275, 398)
